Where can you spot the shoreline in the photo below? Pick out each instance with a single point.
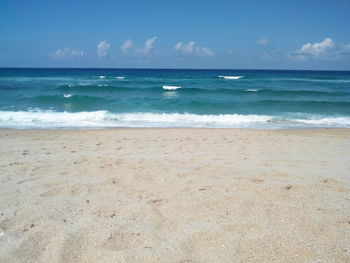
(189, 194)
(171, 128)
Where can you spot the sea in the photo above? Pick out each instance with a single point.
(105, 98)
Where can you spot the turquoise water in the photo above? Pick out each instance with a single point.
(74, 98)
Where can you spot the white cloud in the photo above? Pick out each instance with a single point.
(67, 53)
(149, 43)
(263, 41)
(324, 50)
(192, 49)
(316, 49)
(148, 46)
(127, 45)
(103, 49)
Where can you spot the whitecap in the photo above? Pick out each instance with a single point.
(171, 87)
(252, 90)
(231, 77)
(328, 121)
(94, 119)
(121, 77)
(67, 95)
(102, 77)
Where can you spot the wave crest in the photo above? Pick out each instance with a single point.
(171, 87)
(95, 119)
(231, 77)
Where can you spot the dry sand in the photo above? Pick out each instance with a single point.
(174, 195)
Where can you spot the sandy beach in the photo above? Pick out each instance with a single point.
(174, 195)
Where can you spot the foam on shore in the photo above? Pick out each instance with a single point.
(51, 119)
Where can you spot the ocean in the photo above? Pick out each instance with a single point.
(103, 98)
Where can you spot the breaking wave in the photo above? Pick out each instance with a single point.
(100, 119)
(231, 77)
(171, 87)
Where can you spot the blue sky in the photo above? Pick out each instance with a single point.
(275, 34)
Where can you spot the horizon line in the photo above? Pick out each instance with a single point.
(155, 68)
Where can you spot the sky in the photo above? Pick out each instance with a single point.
(232, 34)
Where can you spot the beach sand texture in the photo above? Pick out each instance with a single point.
(174, 195)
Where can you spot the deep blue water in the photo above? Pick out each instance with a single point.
(36, 98)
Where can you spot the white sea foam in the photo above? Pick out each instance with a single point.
(95, 119)
(251, 90)
(80, 84)
(231, 77)
(120, 77)
(102, 85)
(67, 95)
(171, 87)
(331, 121)
(102, 77)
